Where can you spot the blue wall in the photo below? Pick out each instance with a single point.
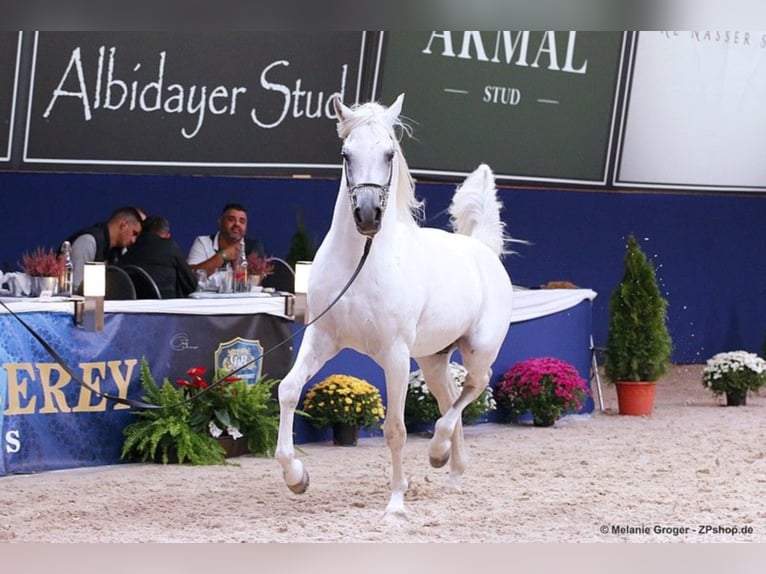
(708, 249)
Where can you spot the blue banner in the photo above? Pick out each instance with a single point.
(50, 421)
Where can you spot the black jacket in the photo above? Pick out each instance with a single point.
(163, 260)
(100, 232)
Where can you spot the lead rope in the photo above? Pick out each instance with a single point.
(142, 404)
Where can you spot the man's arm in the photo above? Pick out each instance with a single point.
(83, 249)
(202, 255)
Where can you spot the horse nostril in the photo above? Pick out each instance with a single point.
(358, 216)
(378, 215)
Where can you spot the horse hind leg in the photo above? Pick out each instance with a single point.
(449, 426)
(436, 374)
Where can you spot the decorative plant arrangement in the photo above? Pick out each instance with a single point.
(301, 246)
(546, 387)
(638, 345)
(734, 374)
(421, 408)
(344, 400)
(234, 408)
(184, 430)
(257, 265)
(42, 263)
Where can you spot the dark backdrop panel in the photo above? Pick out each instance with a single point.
(222, 102)
(546, 115)
(9, 48)
(708, 249)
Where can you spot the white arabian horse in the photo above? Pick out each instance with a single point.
(421, 293)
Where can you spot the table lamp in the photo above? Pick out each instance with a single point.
(302, 270)
(94, 289)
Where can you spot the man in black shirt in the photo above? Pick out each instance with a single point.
(159, 255)
(104, 241)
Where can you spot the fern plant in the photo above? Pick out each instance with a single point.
(165, 434)
(257, 414)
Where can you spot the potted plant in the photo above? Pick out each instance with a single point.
(734, 374)
(344, 403)
(545, 387)
(243, 417)
(259, 267)
(638, 345)
(301, 246)
(44, 267)
(421, 410)
(187, 426)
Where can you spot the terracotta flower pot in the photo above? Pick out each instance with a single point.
(635, 398)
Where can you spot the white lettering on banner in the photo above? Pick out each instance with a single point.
(110, 92)
(515, 49)
(12, 441)
(301, 100)
(739, 38)
(501, 95)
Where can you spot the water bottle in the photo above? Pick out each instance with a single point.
(240, 273)
(65, 281)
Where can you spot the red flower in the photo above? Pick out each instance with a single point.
(543, 385)
(199, 383)
(196, 371)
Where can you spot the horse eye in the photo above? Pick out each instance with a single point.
(344, 155)
(389, 155)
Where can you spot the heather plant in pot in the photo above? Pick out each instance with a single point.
(638, 346)
(44, 268)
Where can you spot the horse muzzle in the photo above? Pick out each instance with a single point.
(368, 202)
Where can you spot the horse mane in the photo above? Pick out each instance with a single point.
(408, 207)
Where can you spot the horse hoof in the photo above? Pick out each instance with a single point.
(300, 487)
(438, 462)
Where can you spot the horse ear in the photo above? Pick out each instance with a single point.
(395, 109)
(341, 111)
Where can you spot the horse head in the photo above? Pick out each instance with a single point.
(369, 150)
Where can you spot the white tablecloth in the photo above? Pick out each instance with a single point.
(224, 306)
(527, 304)
(534, 303)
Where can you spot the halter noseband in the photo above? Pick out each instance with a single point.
(383, 190)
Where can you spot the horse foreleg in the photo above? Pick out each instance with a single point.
(396, 367)
(316, 349)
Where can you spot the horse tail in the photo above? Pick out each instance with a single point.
(475, 211)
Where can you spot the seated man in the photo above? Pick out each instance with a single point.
(159, 255)
(103, 241)
(210, 252)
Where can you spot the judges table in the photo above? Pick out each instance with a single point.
(50, 422)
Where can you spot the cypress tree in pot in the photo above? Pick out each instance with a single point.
(638, 345)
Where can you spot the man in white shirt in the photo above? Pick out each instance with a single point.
(211, 252)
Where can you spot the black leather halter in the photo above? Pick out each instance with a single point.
(383, 190)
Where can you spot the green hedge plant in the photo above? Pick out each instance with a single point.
(638, 346)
